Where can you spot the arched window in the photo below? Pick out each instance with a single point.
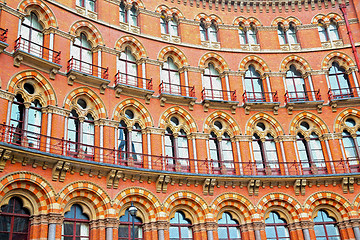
(133, 16)
(125, 227)
(282, 34)
(323, 32)
(214, 148)
(169, 143)
(123, 12)
(276, 227)
(213, 32)
(123, 141)
(253, 86)
(229, 228)
(212, 83)
(180, 227)
(317, 151)
(251, 34)
(32, 38)
(227, 152)
(333, 31)
(339, 82)
(88, 4)
(81, 51)
(291, 34)
(328, 33)
(183, 149)
(296, 90)
(303, 151)
(14, 221)
(265, 154)
(169, 26)
(325, 227)
(170, 77)
(127, 68)
(34, 124)
(17, 119)
(88, 135)
(242, 34)
(75, 225)
(136, 142)
(203, 31)
(73, 131)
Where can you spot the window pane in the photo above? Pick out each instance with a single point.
(68, 228)
(174, 232)
(5, 223)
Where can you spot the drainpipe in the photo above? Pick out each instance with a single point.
(343, 10)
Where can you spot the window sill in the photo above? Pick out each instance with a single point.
(85, 12)
(170, 38)
(208, 44)
(177, 99)
(330, 44)
(133, 91)
(250, 47)
(302, 105)
(130, 28)
(290, 47)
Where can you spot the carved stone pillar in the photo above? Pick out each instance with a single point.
(110, 224)
(162, 226)
(258, 226)
(305, 227)
(54, 220)
(210, 228)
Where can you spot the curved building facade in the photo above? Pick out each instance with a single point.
(215, 119)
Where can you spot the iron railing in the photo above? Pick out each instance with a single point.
(302, 96)
(343, 93)
(131, 80)
(88, 68)
(176, 89)
(254, 97)
(31, 141)
(3, 34)
(215, 94)
(37, 50)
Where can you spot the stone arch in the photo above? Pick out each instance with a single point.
(191, 201)
(208, 18)
(182, 113)
(286, 21)
(311, 117)
(137, 48)
(326, 19)
(148, 203)
(169, 11)
(257, 62)
(178, 56)
(285, 201)
(47, 90)
(93, 34)
(356, 203)
(88, 193)
(145, 115)
(343, 59)
(235, 200)
(331, 199)
(339, 120)
(99, 106)
(46, 16)
(36, 189)
(139, 3)
(300, 63)
(250, 125)
(234, 127)
(247, 21)
(220, 63)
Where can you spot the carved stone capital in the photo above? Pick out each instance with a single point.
(111, 222)
(162, 225)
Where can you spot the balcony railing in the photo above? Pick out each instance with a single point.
(260, 97)
(302, 96)
(176, 89)
(343, 93)
(215, 94)
(3, 34)
(88, 68)
(37, 50)
(131, 80)
(31, 141)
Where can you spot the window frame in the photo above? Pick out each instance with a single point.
(128, 224)
(74, 221)
(325, 225)
(276, 225)
(181, 226)
(229, 226)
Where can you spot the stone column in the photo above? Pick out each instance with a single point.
(210, 228)
(162, 226)
(258, 226)
(97, 229)
(305, 227)
(54, 220)
(110, 224)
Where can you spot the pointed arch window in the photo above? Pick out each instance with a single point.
(123, 141)
(73, 131)
(14, 220)
(227, 151)
(183, 148)
(282, 34)
(81, 51)
(242, 34)
(88, 135)
(212, 83)
(75, 225)
(17, 119)
(351, 147)
(253, 86)
(287, 36)
(295, 83)
(229, 228)
(127, 68)
(203, 31)
(32, 38)
(265, 153)
(133, 15)
(169, 26)
(325, 226)
(339, 82)
(180, 227)
(328, 33)
(125, 227)
(136, 142)
(169, 143)
(213, 32)
(88, 4)
(276, 227)
(123, 12)
(170, 77)
(214, 147)
(252, 34)
(34, 124)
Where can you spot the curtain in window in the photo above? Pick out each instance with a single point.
(253, 86)
(212, 83)
(170, 77)
(295, 85)
(128, 68)
(31, 30)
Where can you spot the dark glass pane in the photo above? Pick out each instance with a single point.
(9, 207)
(68, 238)
(123, 231)
(4, 236)
(16, 236)
(21, 224)
(5, 223)
(77, 231)
(68, 228)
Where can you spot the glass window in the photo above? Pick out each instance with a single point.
(34, 124)
(271, 152)
(265, 152)
(88, 135)
(123, 12)
(242, 35)
(163, 24)
(295, 85)
(276, 227)
(170, 77)
(339, 82)
(350, 148)
(32, 37)
(325, 227)
(73, 133)
(258, 151)
(253, 86)
(291, 34)
(183, 149)
(213, 33)
(17, 119)
(169, 146)
(303, 151)
(127, 68)
(136, 142)
(125, 227)
(252, 35)
(214, 150)
(227, 151)
(173, 26)
(229, 228)
(323, 32)
(212, 83)
(316, 151)
(81, 51)
(333, 31)
(133, 16)
(123, 141)
(180, 227)
(14, 221)
(282, 34)
(88, 4)
(75, 225)
(203, 31)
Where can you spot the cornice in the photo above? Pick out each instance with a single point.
(6, 95)
(10, 10)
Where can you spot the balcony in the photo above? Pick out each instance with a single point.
(3, 38)
(177, 94)
(219, 98)
(135, 86)
(37, 56)
(261, 101)
(343, 97)
(303, 100)
(87, 74)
